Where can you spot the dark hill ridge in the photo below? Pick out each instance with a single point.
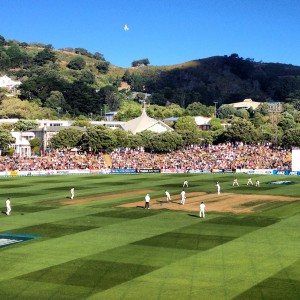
(223, 78)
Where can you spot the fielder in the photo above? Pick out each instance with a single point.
(185, 184)
(147, 201)
(168, 196)
(249, 182)
(257, 183)
(218, 188)
(72, 192)
(202, 210)
(183, 197)
(235, 182)
(8, 207)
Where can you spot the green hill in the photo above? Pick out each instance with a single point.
(80, 83)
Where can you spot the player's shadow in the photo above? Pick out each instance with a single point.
(140, 206)
(4, 212)
(195, 216)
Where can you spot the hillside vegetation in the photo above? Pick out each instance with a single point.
(73, 82)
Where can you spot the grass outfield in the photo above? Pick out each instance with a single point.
(97, 250)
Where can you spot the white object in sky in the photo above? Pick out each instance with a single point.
(126, 27)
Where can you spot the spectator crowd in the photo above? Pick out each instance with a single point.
(52, 161)
(223, 156)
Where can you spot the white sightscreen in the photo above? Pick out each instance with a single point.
(296, 160)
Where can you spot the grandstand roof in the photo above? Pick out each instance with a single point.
(144, 122)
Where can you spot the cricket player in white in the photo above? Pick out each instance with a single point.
(168, 196)
(218, 188)
(202, 210)
(185, 184)
(235, 182)
(8, 207)
(249, 182)
(72, 191)
(257, 183)
(183, 197)
(147, 201)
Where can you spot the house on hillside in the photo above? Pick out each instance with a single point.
(110, 116)
(9, 84)
(246, 104)
(22, 143)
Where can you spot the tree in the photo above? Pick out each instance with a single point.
(82, 123)
(258, 119)
(291, 138)
(188, 129)
(242, 113)
(135, 140)
(102, 67)
(86, 77)
(6, 138)
(140, 62)
(76, 63)
(15, 108)
(44, 56)
(66, 138)
(241, 130)
(7, 126)
(25, 125)
(41, 84)
(110, 96)
(35, 145)
(128, 111)
(83, 51)
(82, 99)
(161, 142)
(2, 41)
(226, 111)
(263, 108)
(122, 139)
(55, 100)
(98, 56)
(98, 138)
(167, 141)
(137, 82)
(199, 109)
(4, 60)
(287, 121)
(162, 112)
(17, 56)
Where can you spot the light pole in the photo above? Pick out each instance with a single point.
(216, 108)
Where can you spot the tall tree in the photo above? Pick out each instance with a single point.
(110, 96)
(44, 56)
(6, 138)
(66, 138)
(241, 130)
(98, 138)
(24, 125)
(55, 100)
(188, 129)
(76, 63)
(291, 138)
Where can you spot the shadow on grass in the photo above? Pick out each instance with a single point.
(195, 216)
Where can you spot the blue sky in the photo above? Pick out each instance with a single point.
(166, 32)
